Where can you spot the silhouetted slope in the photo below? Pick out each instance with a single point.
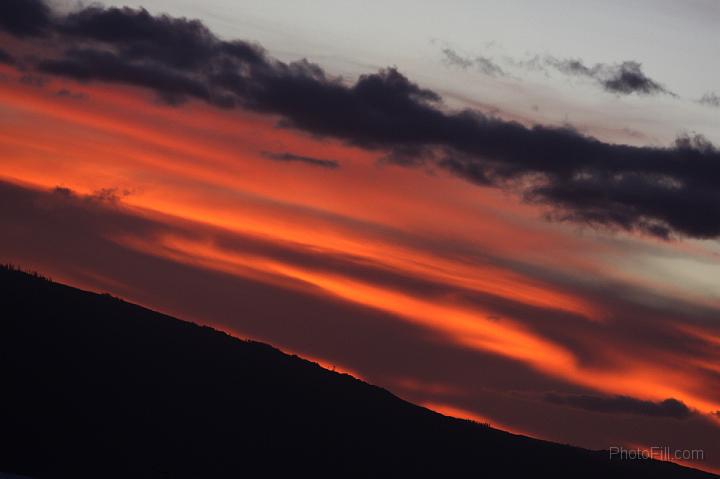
(97, 387)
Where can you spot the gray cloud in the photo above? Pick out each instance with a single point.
(623, 405)
(451, 57)
(710, 99)
(483, 64)
(624, 78)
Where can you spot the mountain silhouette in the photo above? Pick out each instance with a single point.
(95, 387)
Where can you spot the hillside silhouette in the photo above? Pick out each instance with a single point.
(95, 387)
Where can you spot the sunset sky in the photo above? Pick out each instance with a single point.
(504, 211)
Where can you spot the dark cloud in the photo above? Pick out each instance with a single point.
(632, 201)
(628, 77)
(711, 99)
(89, 64)
(624, 79)
(138, 35)
(24, 17)
(291, 157)
(623, 405)
(665, 192)
(483, 64)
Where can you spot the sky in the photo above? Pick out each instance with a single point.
(500, 210)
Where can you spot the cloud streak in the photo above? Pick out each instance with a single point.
(623, 405)
(56, 228)
(288, 157)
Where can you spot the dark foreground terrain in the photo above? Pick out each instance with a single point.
(94, 387)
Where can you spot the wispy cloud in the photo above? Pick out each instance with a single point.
(481, 63)
(292, 157)
(710, 99)
(623, 405)
(623, 79)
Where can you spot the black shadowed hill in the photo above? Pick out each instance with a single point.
(94, 387)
